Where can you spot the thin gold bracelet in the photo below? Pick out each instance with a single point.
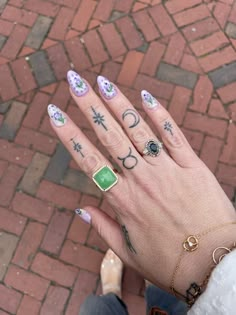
(191, 244)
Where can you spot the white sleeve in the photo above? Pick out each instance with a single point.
(219, 297)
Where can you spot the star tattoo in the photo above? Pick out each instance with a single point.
(77, 147)
(168, 127)
(98, 118)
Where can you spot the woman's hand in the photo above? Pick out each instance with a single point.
(158, 200)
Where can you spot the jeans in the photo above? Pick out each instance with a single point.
(156, 298)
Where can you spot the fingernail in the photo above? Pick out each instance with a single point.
(56, 115)
(149, 100)
(84, 215)
(106, 88)
(77, 84)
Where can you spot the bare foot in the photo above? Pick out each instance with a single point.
(111, 273)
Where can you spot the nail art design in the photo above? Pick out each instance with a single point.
(107, 88)
(84, 215)
(77, 84)
(56, 115)
(149, 100)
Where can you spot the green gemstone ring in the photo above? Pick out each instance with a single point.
(105, 178)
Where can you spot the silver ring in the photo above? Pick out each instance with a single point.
(153, 148)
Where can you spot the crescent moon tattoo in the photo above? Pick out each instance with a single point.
(135, 116)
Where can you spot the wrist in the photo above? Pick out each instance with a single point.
(196, 266)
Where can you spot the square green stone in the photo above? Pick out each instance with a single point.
(105, 178)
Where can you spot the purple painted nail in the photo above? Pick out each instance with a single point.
(149, 100)
(84, 215)
(77, 84)
(107, 88)
(56, 115)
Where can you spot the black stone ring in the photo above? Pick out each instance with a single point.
(153, 148)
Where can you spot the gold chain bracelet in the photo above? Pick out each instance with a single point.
(191, 244)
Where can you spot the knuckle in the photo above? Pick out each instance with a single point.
(112, 139)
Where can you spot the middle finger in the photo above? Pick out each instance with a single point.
(107, 129)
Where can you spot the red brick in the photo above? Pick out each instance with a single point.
(146, 25)
(210, 152)
(226, 174)
(191, 15)
(179, 103)
(62, 95)
(85, 285)
(211, 126)
(15, 154)
(159, 89)
(152, 58)
(229, 152)
(228, 93)
(216, 109)
(229, 190)
(54, 270)
(217, 59)
(9, 183)
(94, 23)
(200, 29)
(95, 241)
(175, 6)
(26, 282)
(210, 43)
(74, 254)
(33, 139)
(138, 6)
(11, 222)
(29, 244)
(231, 110)
(162, 20)
(48, 43)
(20, 16)
(59, 195)
(61, 24)
(130, 34)
(23, 75)
(132, 281)
(232, 17)
(75, 49)
(55, 301)
(10, 299)
(50, 89)
(29, 306)
(15, 42)
(16, 3)
(78, 231)
(175, 49)
(42, 7)
(194, 138)
(130, 68)
(221, 13)
(3, 167)
(27, 97)
(190, 63)
(56, 231)
(6, 27)
(202, 94)
(8, 87)
(104, 10)
(83, 15)
(112, 40)
(37, 110)
(32, 207)
(123, 5)
(111, 70)
(136, 303)
(58, 61)
(95, 47)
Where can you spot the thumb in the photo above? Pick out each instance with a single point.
(106, 227)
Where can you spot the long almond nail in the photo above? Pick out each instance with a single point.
(84, 215)
(106, 88)
(77, 84)
(56, 115)
(149, 100)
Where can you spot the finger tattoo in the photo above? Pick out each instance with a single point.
(129, 161)
(168, 127)
(77, 147)
(127, 239)
(134, 115)
(98, 118)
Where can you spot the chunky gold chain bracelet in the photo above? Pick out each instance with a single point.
(191, 244)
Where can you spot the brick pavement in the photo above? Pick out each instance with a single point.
(184, 52)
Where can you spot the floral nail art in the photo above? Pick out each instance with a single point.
(107, 88)
(149, 100)
(77, 84)
(84, 215)
(56, 115)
